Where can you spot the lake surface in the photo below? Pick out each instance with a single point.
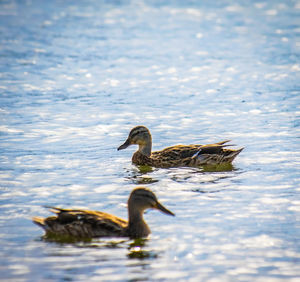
(76, 76)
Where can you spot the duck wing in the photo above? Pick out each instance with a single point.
(174, 156)
(82, 223)
(215, 148)
(195, 155)
(213, 154)
(176, 152)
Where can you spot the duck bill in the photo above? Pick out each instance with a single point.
(160, 207)
(125, 145)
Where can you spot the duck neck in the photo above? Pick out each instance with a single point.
(137, 227)
(146, 148)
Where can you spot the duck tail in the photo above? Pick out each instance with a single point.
(39, 221)
(223, 142)
(232, 155)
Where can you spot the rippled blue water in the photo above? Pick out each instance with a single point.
(76, 76)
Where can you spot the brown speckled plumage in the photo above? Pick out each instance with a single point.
(179, 155)
(90, 224)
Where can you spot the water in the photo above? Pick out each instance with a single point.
(77, 76)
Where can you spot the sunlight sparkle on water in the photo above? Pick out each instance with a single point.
(76, 77)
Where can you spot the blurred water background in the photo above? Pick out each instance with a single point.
(76, 76)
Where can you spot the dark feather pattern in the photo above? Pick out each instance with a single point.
(83, 223)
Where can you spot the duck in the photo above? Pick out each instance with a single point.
(85, 224)
(178, 155)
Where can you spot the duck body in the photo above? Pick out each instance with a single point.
(83, 224)
(178, 155)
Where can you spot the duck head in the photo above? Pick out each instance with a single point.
(142, 199)
(139, 135)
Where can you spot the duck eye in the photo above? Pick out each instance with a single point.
(135, 134)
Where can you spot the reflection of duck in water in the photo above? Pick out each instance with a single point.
(137, 250)
(88, 224)
(178, 155)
